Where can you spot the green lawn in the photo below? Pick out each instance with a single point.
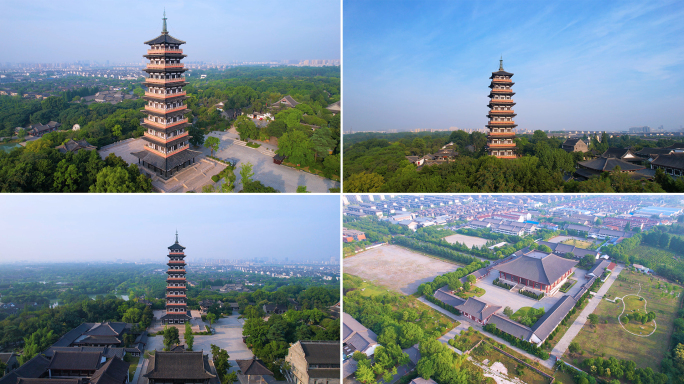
(614, 340)
(474, 292)
(634, 304)
(134, 365)
(466, 340)
(578, 243)
(527, 315)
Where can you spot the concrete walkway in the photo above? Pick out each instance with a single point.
(547, 363)
(142, 367)
(577, 325)
(138, 369)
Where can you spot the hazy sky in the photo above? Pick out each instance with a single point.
(133, 227)
(604, 65)
(57, 31)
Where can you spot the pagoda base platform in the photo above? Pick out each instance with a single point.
(166, 168)
(176, 318)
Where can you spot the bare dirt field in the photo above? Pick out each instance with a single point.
(396, 268)
(470, 241)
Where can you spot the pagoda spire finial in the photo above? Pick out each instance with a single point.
(500, 62)
(176, 236)
(164, 18)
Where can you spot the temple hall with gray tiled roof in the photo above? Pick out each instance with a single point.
(536, 270)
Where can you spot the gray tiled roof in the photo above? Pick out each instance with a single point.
(670, 161)
(33, 368)
(321, 352)
(608, 164)
(599, 268)
(72, 335)
(358, 342)
(164, 38)
(177, 365)
(114, 371)
(75, 360)
(547, 323)
(478, 308)
(511, 327)
(253, 366)
(545, 270)
(616, 152)
(447, 298)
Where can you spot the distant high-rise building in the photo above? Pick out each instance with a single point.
(500, 139)
(166, 150)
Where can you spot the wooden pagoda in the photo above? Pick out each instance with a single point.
(167, 147)
(501, 136)
(176, 299)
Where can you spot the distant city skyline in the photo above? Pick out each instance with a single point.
(215, 31)
(99, 228)
(578, 65)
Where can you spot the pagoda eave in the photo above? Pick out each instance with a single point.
(165, 114)
(502, 114)
(500, 93)
(160, 129)
(164, 70)
(161, 98)
(165, 85)
(501, 125)
(500, 102)
(164, 54)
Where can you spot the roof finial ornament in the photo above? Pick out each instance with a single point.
(164, 18)
(500, 62)
(176, 236)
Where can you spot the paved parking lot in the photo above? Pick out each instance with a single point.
(280, 177)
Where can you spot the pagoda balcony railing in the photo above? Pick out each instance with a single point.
(176, 296)
(168, 110)
(176, 261)
(175, 278)
(164, 81)
(166, 140)
(165, 125)
(171, 287)
(175, 271)
(176, 253)
(502, 90)
(501, 133)
(176, 303)
(165, 95)
(154, 51)
(502, 112)
(501, 145)
(502, 122)
(166, 155)
(164, 66)
(502, 80)
(501, 100)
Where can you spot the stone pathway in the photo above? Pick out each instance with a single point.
(577, 325)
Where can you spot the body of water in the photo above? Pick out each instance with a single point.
(6, 147)
(54, 302)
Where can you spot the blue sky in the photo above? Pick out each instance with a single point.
(57, 31)
(599, 65)
(134, 227)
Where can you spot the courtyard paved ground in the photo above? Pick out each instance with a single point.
(576, 326)
(280, 177)
(192, 178)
